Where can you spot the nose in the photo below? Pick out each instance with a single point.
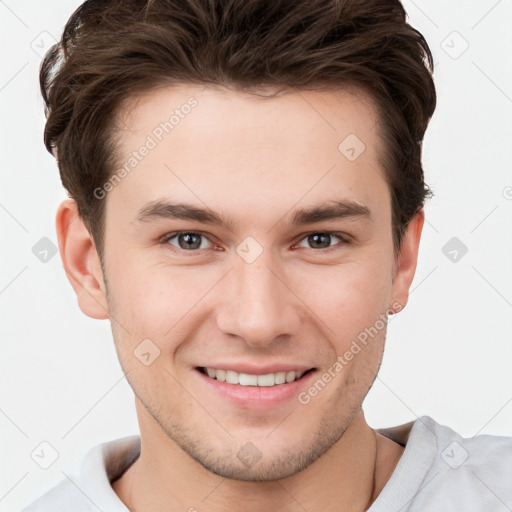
(258, 304)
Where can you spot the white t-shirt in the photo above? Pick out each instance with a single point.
(439, 471)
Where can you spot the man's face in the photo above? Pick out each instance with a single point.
(261, 294)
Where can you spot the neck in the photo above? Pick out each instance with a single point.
(349, 476)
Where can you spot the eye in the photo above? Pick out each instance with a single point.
(191, 241)
(186, 240)
(321, 240)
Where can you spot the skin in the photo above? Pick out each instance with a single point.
(255, 161)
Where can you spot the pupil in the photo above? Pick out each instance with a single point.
(316, 239)
(188, 239)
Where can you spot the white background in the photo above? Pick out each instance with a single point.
(448, 354)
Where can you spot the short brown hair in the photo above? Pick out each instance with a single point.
(113, 50)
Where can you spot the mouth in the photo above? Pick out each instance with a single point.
(245, 379)
(259, 390)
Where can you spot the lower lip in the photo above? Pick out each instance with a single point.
(258, 397)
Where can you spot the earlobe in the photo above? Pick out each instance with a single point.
(81, 261)
(407, 260)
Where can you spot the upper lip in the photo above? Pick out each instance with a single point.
(252, 369)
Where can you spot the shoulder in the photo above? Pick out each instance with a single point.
(473, 473)
(441, 470)
(90, 489)
(476, 470)
(61, 498)
(484, 452)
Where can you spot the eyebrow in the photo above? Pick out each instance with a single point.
(332, 210)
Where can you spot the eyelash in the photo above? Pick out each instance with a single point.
(345, 239)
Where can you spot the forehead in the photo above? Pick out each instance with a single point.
(205, 142)
(260, 113)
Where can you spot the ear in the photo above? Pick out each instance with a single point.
(81, 261)
(405, 266)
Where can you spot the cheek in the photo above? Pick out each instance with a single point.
(157, 301)
(142, 302)
(146, 325)
(347, 298)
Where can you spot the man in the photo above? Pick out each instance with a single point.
(246, 207)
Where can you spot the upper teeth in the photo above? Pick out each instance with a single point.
(245, 379)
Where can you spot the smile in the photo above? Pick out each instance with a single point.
(245, 379)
